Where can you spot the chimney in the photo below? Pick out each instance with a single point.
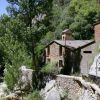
(67, 35)
(97, 32)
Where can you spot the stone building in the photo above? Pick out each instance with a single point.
(73, 55)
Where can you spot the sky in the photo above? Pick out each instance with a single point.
(3, 5)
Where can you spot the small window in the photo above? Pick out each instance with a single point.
(48, 50)
(60, 50)
(99, 68)
(63, 38)
(48, 60)
(87, 51)
(60, 63)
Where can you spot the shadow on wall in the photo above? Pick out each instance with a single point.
(72, 62)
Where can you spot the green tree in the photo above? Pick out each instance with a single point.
(19, 36)
(15, 56)
(30, 11)
(79, 16)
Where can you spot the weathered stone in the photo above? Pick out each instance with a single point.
(25, 80)
(77, 88)
(3, 90)
(53, 94)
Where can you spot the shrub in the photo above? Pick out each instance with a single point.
(50, 68)
(15, 55)
(65, 96)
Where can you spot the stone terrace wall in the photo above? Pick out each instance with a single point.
(78, 89)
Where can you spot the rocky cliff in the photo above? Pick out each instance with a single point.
(76, 87)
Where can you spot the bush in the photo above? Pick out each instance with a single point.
(65, 96)
(15, 55)
(50, 68)
(34, 96)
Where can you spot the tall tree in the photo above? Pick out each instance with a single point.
(79, 16)
(35, 14)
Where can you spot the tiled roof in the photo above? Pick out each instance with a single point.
(74, 43)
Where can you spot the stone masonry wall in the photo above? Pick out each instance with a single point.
(54, 53)
(87, 59)
(77, 88)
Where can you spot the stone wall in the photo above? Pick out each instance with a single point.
(77, 88)
(54, 53)
(87, 59)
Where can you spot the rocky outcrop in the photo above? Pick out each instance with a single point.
(70, 88)
(95, 67)
(24, 84)
(25, 79)
(50, 92)
(3, 90)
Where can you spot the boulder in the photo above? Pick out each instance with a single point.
(3, 90)
(53, 94)
(25, 79)
(95, 68)
(50, 92)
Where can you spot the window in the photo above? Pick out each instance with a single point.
(48, 51)
(60, 63)
(48, 60)
(63, 38)
(60, 50)
(87, 51)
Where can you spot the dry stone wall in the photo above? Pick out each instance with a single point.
(77, 88)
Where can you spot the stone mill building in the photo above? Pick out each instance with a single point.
(76, 56)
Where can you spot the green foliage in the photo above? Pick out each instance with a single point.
(78, 15)
(50, 68)
(19, 36)
(22, 41)
(65, 96)
(15, 56)
(43, 42)
(34, 96)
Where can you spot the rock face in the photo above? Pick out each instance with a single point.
(77, 88)
(51, 92)
(95, 68)
(25, 80)
(70, 88)
(3, 90)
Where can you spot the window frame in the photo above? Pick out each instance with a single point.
(60, 50)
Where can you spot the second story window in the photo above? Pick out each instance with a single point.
(87, 51)
(60, 50)
(48, 51)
